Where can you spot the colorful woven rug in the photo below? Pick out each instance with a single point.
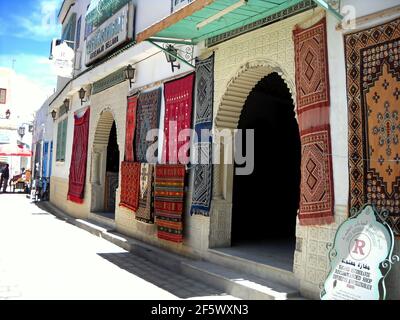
(203, 172)
(178, 116)
(130, 127)
(168, 201)
(145, 211)
(148, 117)
(77, 171)
(313, 106)
(130, 177)
(373, 87)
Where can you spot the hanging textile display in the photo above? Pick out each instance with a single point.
(178, 96)
(168, 201)
(130, 175)
(45, 159)
(203, 172)
(373, 88)
(145, 211)
(130, 127)
(148, 117)
(77, 171)
(313, 107)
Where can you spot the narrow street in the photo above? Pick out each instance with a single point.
(42, 257)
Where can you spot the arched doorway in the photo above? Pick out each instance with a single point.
(265, 203)
(105, 166)
(252, 222)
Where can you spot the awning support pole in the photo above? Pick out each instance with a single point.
(324, 4)
(173, 55)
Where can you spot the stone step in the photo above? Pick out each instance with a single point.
(238, 284)
(102, 219)
(260, 270)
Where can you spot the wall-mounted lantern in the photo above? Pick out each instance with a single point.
(130, 74)
(82, 94)
(66, 105)
(171, 54)
(54, 114)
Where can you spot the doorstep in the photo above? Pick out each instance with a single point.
(236, 283)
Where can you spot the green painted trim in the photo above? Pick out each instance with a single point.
(273, 18)
(109, 81)
(175, 56)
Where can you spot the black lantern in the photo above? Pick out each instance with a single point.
(66, 105)
(8, 113)
(82, 94)
(21, 131)
(130, 74)
(30, 128)
(54, 114)
(171, 53)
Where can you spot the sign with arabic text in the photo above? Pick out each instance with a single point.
(361, 258)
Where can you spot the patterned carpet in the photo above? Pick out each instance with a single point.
(373, 87)
(168, 197)
(313, 106)
(203, 170)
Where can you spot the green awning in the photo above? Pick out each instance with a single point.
(203, 19)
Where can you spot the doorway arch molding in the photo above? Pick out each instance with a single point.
(102, 123)
(241, 83)
(227, 116)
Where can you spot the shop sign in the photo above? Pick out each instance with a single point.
(63, 60)
(361, 258)
(115, 31)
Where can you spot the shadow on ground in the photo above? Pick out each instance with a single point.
(178, 285)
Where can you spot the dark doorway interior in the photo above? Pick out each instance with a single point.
(112, 171)
(265, 203)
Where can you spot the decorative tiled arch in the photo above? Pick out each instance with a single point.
(240, 86)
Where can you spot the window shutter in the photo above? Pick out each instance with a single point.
(64, 138)
(58, 151)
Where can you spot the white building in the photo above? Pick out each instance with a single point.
(254, 52)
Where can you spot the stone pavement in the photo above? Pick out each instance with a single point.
(43, 257)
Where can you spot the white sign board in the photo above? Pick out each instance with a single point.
(111, 34)
(63, 60)
(360, 259)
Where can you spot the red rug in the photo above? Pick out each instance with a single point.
(130, 127)
(168, 205)
(130, 184)
(178, 116)
(77, 171)
(313, 107)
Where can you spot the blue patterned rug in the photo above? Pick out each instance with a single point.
(203, 173)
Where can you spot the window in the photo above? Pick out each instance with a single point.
(61, 140)
(78, 33)
(68, 33)
(177, 4)
(3, 96)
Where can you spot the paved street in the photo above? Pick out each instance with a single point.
(42, 257)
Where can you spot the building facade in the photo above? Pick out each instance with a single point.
(261, 78)
(11, 121)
